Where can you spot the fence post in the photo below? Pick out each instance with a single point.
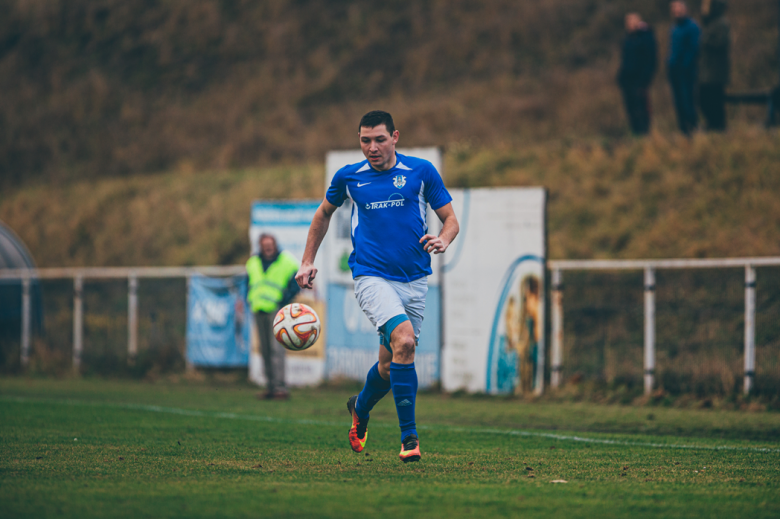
(649, 329)
(78, 321)
(750, 327)
(557, 329)
(132, 318)
(26, 320)
(189, 366)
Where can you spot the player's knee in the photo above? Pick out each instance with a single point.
(403, 347)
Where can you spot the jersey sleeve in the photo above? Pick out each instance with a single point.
(435, 192)
(337, 192)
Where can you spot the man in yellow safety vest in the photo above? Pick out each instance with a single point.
(271, 286)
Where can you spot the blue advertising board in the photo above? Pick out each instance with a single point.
(218, 322)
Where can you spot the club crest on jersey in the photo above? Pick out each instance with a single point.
(399, 181)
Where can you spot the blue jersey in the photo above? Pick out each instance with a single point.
(389, 216)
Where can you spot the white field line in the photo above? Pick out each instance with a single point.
(447, 428)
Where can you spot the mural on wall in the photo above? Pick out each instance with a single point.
(494, 292)
(516, 338)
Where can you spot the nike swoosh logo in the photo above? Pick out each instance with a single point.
(361, 185)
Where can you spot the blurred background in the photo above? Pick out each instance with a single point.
(137, 132)
(97, 88)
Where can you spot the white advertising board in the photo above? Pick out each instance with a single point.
(289, 222)
(493, 291)
(352, 340)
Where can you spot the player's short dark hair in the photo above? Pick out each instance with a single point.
(375, 118)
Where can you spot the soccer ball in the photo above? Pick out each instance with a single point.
(296, 326)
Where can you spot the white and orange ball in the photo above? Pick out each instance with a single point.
(296, 326)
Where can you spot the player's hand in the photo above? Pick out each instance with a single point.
(434, 244)
(305, 276)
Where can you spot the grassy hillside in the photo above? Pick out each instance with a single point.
(166, 219)
(96, 88)
(713, 196)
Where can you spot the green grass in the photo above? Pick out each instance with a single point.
(92, 448)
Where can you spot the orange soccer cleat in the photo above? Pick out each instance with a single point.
(410, 449)
(358, 433)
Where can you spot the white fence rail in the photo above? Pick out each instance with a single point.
(557, 267)
(649, 267)
(132, 274)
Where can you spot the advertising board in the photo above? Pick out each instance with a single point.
(218, 322)
(493, 292)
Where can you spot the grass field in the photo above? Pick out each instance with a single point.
(96, 448)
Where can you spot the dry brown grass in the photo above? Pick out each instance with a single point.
(117, 87)
(712, 196)
(180, 218)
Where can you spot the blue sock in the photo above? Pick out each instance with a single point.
(403, 379)
(376, 387)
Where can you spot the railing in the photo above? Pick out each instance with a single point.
(132, 274)
(649, 267)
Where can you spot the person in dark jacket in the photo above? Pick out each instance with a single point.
(714, 64)
(637, 69)
(682, 66)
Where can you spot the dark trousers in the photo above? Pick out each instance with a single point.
(712, 101)
(684, 104)
(637, 103)
(273, 353)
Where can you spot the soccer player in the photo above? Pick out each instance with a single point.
(390, 262)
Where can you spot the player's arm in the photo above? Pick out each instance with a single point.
(317, 231)
(449, 230)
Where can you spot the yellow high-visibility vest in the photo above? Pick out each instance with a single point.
(266, 289)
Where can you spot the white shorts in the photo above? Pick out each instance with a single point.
(382, 299)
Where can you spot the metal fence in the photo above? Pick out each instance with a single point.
(79, 276)
(615, 303)
(688, 326)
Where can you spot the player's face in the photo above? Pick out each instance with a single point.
(378, 146)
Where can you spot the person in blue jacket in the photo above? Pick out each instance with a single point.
(681, 66)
